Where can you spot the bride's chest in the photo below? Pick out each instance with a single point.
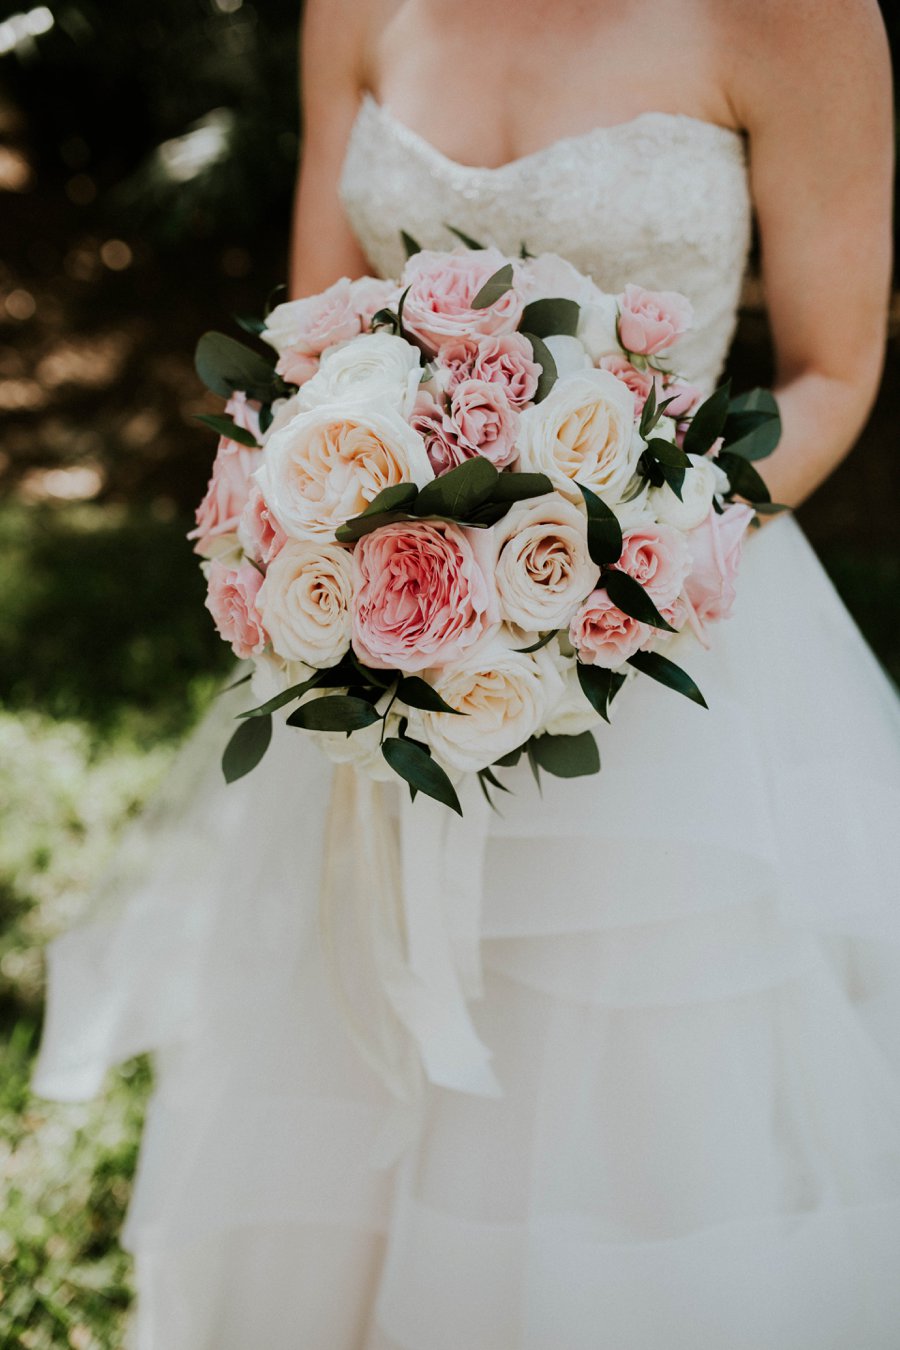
(661, 199)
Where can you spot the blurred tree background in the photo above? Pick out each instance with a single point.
(147, 160)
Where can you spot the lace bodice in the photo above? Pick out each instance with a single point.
(662, 200)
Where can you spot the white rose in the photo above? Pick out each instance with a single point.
(272, 675)
(504, 695)
(584, 429)
(549, 276)
(701, 482)
(572, 714)
(327, 464)
(378, 368)
(543, 570)
(598, 325)
(638, 510)
(284, 410)
(361, 748)
(568, 354)
(304, 602)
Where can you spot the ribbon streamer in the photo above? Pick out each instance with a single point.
(400, 920)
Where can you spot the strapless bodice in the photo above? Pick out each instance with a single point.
(662, 200)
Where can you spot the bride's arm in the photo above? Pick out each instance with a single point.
(323, 247)
(812, 85)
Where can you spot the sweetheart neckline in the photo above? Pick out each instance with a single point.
(578, 138)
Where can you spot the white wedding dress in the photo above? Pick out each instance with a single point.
(685, 972)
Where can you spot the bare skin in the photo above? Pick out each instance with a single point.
(809, 83)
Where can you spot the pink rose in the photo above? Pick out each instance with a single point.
(604, 635)
(686, 397)
(650, 321)
(640, 382)
(423, 594)
(442, 287)
(231, 600)
(296, 367)
(715, 553)
(300, 330)
(226, 496)
(244, 413)
(483, 422)
(437, 431)
(657, 557)
(370, 294)
(259, 534)
(505, 360)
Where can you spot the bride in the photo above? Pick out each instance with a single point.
(686, 971)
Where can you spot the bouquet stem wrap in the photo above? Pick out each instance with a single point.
(400, 921)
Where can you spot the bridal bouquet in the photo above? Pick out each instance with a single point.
(463, 507)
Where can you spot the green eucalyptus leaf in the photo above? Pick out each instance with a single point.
(597, 685)
(567, 756)
(226, 426)
(544, 358)
(335, 712)
(708, 422)
(286, 696)
(753, 425)
(266, 418)
(742, 476)
(666, 672)
(604, 533)
(551, 317)
(543, 641)
(511, 760)
(412, 246)
(633, 600)
(770, 508)
(250, 325)
(495, 287)
(225, 365)
(354, 529)
(519, 487)
(244, 679)
(246, 748)
(665, 452)
(464, 238)
(272, 299)
(494, 781)
(674, 478)
(398, 497)
(524, 251)
(418, 693)
(415, 766)
(457, 493)
(650, 413)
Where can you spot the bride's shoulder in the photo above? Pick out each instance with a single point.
(777, 57)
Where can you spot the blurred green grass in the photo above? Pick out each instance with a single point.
(99, 680)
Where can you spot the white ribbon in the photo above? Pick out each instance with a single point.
(407, 902)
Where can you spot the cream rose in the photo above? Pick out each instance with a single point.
(325, 466)
(573, 713)
(701, 483)
(597, 326)
(584, 429)
(505, 695)
(569, 354)
(305, 602)
(544, 569)
(375, 368)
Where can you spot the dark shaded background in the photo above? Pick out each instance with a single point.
(147, 160)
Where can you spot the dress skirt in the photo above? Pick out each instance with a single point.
(686, 978)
